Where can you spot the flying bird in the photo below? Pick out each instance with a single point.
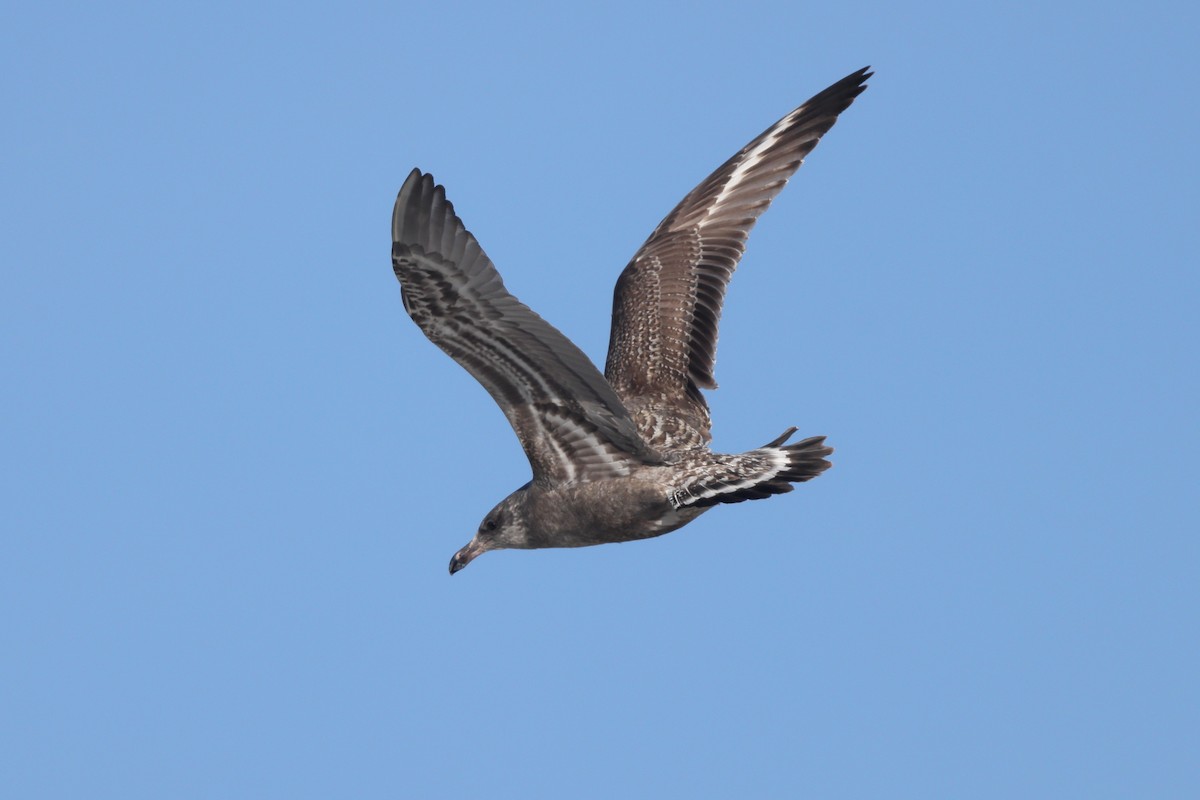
(624, 455)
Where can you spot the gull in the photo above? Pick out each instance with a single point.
(624, 455)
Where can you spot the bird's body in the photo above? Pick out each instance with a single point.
(624, 455)
(610, 510)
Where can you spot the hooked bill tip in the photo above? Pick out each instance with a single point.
(464, 556)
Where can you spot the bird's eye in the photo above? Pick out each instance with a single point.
(489, 524)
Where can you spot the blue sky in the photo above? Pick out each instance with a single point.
(235, 471)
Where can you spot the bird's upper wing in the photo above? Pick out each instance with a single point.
(668, 299)
(570, 422)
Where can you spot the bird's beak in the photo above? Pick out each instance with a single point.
(465, 556)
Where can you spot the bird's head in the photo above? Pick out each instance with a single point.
(505, 526)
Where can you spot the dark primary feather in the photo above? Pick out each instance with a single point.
(570, 422)
(668, 300)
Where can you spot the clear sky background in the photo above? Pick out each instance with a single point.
(235, 471)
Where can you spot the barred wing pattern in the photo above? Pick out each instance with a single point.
(668, 300)
(571, 424)
(771, 469)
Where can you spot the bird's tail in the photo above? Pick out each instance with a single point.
(771, 469)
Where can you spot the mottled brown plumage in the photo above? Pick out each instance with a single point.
(668, 300)
(623, 455)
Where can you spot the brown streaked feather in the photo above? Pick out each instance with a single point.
(771, 469)
(667, 302)
(570, 422)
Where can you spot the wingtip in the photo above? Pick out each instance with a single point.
(837, 97)
(417, 182)
(415, 177)
(856, 80)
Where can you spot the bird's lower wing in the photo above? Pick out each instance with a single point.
(570, 422)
